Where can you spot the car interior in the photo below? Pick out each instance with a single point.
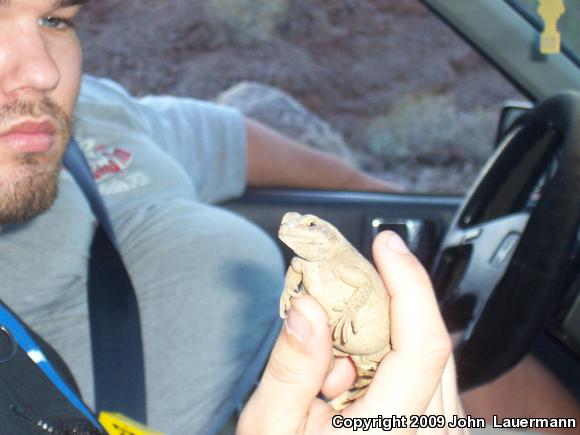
(504, 256)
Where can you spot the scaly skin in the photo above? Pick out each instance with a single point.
(347, 286)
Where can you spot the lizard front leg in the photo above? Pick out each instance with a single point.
(291, 285)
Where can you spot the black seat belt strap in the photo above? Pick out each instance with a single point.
(77, 165)
(117, 346)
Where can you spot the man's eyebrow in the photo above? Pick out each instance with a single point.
(57, 4)
(67, 3)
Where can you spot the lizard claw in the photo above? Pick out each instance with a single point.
(353, 324)
(284, 305)
(286, 297)
(332, 323)
(336, 326)
(343, 324)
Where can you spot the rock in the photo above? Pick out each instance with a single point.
(249, 21)
(283, 113)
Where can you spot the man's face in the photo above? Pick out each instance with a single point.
(40, 74)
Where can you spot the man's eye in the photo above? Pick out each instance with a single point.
(56, 23)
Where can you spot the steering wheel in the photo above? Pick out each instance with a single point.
(501, 268)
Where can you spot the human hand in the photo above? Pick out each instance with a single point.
(417, 377)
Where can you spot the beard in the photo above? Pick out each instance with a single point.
(29, 186)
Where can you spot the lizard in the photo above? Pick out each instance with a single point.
(347, 286)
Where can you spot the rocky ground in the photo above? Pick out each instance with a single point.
(413, 101)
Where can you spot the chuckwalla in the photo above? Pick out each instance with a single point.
(348, 287)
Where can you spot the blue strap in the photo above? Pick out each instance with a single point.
(29, 345)
(118, 362)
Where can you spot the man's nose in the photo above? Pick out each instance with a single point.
(26, 65)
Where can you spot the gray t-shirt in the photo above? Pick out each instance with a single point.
(156, 162)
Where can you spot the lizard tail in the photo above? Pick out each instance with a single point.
(359, 388)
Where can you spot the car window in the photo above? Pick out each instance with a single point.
(567, 24)
(384, 84)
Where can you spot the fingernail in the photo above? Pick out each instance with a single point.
(396, 244)
(298, 326)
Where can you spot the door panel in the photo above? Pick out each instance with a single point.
(353, 213)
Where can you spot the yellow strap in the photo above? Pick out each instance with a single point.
(118, 424)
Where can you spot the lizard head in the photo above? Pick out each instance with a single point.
(310, 237)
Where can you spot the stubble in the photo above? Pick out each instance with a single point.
(29, 182)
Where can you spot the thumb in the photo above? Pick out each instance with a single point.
(294, 375)
(420, 343)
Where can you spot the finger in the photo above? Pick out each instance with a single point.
(408, 376)
(446, 401)
(340, 378)
(436, 409)
(451, 403)
(436, 406)
(294, 375)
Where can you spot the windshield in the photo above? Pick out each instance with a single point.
(567, 24)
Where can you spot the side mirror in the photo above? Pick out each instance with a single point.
(510, 111)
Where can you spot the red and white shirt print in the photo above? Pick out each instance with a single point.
(111, 167)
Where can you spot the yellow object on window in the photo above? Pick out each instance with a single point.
(551, 11)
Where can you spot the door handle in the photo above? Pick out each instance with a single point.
(420, 235)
